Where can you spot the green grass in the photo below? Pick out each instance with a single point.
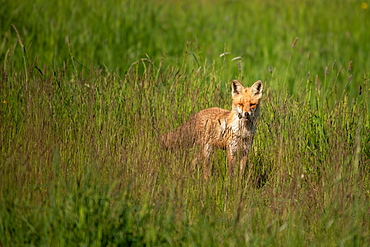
(87, 89)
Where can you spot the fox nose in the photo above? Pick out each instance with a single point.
(246, 115)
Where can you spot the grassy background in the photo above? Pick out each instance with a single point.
(86, 89)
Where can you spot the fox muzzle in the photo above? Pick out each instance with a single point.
(246, 115)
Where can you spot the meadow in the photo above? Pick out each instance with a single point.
(88, 87)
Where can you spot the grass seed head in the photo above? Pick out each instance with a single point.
(350, 66)
(294, 42)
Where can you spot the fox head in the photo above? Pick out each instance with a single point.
(246, 99)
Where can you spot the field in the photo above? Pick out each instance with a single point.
(88, 87)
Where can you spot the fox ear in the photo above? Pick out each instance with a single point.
(237, 88)
(257, 89)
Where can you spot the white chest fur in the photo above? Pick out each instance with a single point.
(241, 127)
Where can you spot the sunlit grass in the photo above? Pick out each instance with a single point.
(82, 113)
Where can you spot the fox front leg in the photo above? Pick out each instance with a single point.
(243, 164)
(231, 160)
(244, 154)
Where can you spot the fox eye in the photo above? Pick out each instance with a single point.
(252, 104)
(240, 105)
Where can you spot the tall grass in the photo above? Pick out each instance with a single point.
(80, 159)
(113, 34)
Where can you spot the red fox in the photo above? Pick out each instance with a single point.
(214, 128)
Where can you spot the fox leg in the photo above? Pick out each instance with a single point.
(206, 155)
(196, 161)
(231, 159)
(244, 154)
(243, 164)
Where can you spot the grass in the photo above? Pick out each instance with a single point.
(84, 100)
